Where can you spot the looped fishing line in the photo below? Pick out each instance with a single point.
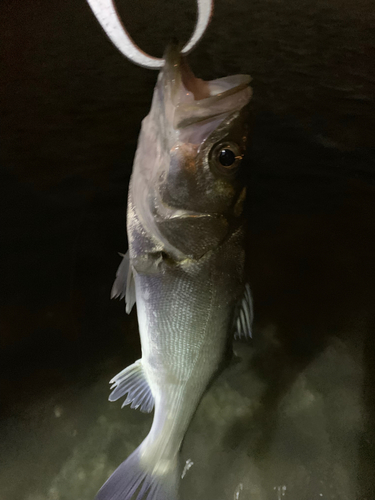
(106, 13)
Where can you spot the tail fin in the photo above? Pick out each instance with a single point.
(131, 481)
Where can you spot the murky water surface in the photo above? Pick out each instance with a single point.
(293, 417)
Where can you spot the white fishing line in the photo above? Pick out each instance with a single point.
(106, 13)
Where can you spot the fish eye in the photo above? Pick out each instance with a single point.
(226, 157)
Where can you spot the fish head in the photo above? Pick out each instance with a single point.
(191, 148)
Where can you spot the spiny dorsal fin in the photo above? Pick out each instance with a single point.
(244, 317)
(133, 382)
(124, 285)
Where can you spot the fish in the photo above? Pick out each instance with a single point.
(184, 268)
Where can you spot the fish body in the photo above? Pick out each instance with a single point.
(184, 268)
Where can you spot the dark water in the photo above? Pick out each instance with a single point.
(295, 417)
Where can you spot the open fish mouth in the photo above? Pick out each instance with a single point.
(194, 99)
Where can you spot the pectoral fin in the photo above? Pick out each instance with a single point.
(244, 316)
(124, 285)
(133, 382)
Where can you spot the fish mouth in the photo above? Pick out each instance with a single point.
(179, 77)
(194, 99)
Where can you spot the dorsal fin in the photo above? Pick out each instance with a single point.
(244, 316)
(133, 382)
(124, 285)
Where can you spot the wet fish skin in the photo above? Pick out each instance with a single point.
(186, 261)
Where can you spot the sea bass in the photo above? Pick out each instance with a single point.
(185, 263)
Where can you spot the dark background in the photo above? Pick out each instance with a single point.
(71, 109)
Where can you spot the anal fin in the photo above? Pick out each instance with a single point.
(133, 382)
(244, 316)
